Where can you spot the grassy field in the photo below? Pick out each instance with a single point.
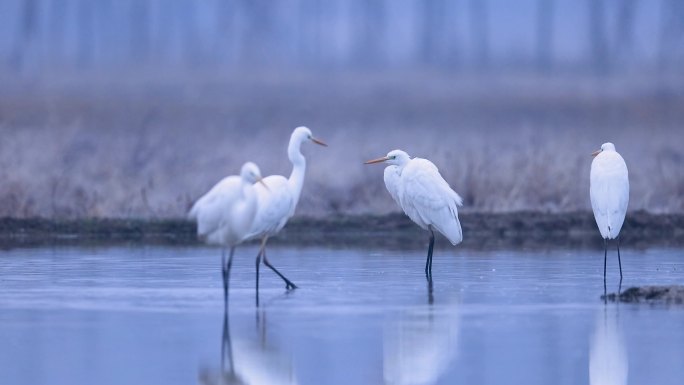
(147, 148)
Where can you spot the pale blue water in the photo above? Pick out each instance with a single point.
(154, 315)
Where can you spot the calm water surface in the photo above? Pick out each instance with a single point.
(154, 315)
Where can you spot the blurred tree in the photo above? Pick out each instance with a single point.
(192, 44)
(479, 24)
(671, 45)
(624, 32)
(86, 33)
(545, 11)
(28, 27)
(139, 36)
(105, 31)
(56, 12)
(597, 36)
(370, 36)
(432, 31)
(309, 31)
(223, 38)
(451, 35)
(64, 34)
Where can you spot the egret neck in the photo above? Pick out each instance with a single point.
(294, 153)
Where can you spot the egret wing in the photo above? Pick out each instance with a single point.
(274, 206)
(210, 210)
(429, 201)
(609, 191)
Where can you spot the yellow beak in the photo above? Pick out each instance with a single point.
(319, 142)
(379, 160)
(595, 152)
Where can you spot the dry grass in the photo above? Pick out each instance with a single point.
(149, 148)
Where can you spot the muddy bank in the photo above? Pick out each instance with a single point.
(503, 230)
(649, 294)
(482, 230)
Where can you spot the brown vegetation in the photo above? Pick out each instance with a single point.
(135, 148)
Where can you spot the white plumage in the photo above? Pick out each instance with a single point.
(609, 191)
(421, 191)
(225, 214)
(392, 179)
(429, 201)
(276, 205)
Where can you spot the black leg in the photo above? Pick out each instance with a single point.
(258, 262)
(431, 298)
(288, 284)
(619, 261)
(226, 273)
(605, 258)
(605, 293)
(428, 262)
(620, 287)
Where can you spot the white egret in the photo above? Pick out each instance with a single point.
(609, 191)
(225, 214)
(277, 203)
(419, 189)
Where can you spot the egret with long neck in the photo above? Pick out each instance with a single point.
(276, 205)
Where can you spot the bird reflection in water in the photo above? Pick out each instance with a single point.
(419, 344)
(608, 354)
(249, 362)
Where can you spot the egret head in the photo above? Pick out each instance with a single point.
(250, 173)
(608, 146)
(394, 157)
(302, 134)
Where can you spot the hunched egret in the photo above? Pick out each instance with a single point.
(609, 191)
(277, 203)
(419, 189)
(225, 214)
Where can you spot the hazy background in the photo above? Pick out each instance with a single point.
(134, 108)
